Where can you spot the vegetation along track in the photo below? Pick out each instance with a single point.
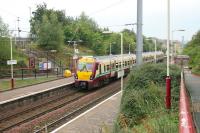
(59, 111)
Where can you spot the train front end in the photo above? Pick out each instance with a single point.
(85, 72)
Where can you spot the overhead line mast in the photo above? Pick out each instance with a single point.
(139, 41)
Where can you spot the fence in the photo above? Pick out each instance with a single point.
(32, 72)
(186, 124)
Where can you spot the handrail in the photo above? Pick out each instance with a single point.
(186, 124)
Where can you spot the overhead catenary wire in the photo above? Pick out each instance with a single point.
(98, 11)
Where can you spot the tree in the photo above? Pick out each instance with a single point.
(50, 34)
(42, 10)
(86, 29)
(192, 49)
(129, 37)
(4, 43)
(36, 20)
(3, 28)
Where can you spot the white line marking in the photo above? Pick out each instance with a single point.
(54, 131)
(34, 93)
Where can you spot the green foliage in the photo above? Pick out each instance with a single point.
(143, 99)
(50, 34)
(4, 43)
(3, 28)
(83, 28)
(192, 49)
(4, 50)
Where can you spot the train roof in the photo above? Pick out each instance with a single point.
(125, 56)
(113, 57)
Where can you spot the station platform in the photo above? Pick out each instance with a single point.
(99, 119)
(192, 83)
(18, 93)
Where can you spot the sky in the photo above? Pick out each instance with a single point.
(185, 14)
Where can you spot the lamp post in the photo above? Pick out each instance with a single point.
(75, 57)
(110, 49)
(51, 51)
(155, 48)
(11, 62)
(174, 53)
(122, 70)
(121, 73)
(168, 79)
(11, 57)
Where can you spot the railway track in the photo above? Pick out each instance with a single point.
(10, 120)
(73, 102)
(55, 124)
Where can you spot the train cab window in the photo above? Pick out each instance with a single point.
(104, 68)
(128, 63)
(84, 66)
(125, 63)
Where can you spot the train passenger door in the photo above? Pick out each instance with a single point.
(99, 68)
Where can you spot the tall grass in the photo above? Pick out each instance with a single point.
(143, 106)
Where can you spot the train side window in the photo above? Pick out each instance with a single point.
(116, 65)
(108, 68)
(104, 68)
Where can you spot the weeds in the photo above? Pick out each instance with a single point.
(142, 105)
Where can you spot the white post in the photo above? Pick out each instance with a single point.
(11, 67)
(139, 48)
(11, 57)
(172, 40)
(110, 48)
(121, 61)
(168, 34)
(172, 49)
(129, 49)
(155, 50)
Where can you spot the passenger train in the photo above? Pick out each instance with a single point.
(96, 71)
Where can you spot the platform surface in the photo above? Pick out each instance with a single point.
(192, 83)
(96, 120)
(29, 90)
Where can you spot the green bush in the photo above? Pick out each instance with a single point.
(143, 97)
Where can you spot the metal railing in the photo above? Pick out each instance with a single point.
(186, 124)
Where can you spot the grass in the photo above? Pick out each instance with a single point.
(142, 105)
(5, 84)
(167, 123)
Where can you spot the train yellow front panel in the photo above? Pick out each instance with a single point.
(84, 75)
